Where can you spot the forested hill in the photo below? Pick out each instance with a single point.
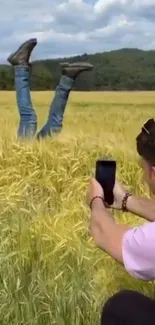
(125, 69)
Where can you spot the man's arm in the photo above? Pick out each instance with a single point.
(142, 207)
(106, 233)
(133, 247)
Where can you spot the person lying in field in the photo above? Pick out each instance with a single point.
(134, 248)
(28, 119)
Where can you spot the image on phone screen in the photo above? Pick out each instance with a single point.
(105, 175)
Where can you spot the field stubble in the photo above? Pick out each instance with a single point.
(50, 271)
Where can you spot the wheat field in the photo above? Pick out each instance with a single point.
(50, 270)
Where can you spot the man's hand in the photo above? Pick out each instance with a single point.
(119, 194)
(94, 189)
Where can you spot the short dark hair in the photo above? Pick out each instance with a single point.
(146, 142)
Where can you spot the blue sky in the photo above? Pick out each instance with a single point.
(70, 27)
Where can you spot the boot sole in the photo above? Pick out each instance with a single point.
(20, 47)
(77, 65)
(81, 65)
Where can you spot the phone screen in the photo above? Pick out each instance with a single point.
(105, 175)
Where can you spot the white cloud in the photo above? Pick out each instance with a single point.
(69, 27)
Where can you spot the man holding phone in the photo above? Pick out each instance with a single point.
(133, 247)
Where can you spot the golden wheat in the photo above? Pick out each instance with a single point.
(50, 271)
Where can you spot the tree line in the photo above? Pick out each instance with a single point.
(125, 69)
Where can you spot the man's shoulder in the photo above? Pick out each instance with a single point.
(138, 249)
(141, 238)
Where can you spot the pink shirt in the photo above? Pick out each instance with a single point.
(139, 251)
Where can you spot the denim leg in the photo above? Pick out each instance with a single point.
(54, 122)
(28, 118)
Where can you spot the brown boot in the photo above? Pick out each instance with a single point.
(74, 69)
(22, 55)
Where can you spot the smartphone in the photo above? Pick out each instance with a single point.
(105, 175)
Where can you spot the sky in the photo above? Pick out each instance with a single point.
(71, 27)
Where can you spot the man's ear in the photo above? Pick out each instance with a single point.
(153, 172)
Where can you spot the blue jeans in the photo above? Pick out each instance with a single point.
(28, 118)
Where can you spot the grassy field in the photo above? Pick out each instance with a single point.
(50, 271)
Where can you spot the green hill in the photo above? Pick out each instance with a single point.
(124, 69)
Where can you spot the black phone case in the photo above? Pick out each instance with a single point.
(105, 175)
